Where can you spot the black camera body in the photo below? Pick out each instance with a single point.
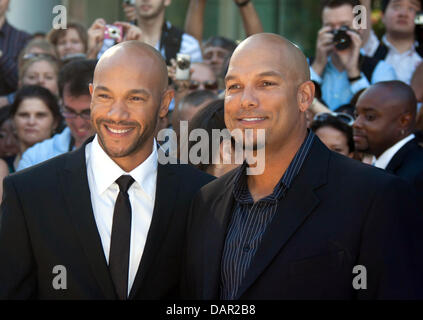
(341, 39)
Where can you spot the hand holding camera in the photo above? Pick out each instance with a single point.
(130, 31)
(323, 48)
(347, 44)
(95, 37)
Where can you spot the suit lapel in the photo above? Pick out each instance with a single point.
(167, 184)
(399, 156)
(292, 211)
(214, 239)
(75, 187)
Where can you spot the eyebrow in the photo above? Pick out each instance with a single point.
(133, 91)
(73, 110)
(139, 91)
(262, 74)
(365, 109)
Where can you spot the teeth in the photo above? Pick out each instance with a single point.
(118, 131)
(252, 119)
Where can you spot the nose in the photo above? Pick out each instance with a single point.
(41, 81)
(403, 11)
(357, 123)
(248, 98)
(215, 58)
(31, 120)
(118, 111)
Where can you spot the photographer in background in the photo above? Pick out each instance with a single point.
(338, 66)
(159, 33)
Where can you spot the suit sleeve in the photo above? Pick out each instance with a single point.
(17, 267)
(186, 285)
(391, 245)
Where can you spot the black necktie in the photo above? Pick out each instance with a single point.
(121, 238)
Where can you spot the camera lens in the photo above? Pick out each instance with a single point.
(183, 64)
(341, 39)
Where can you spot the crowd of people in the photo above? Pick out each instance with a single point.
(80, 113)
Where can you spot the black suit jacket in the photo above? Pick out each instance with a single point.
(338, 213)
(408, 164)
(47, 220)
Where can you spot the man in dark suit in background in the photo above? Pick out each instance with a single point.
(386, 119)
(314, 224)
(105, 221)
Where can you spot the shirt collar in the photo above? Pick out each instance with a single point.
(391, 47)
(241, 192)
(384, 159)
(107, 171)
(5, 28)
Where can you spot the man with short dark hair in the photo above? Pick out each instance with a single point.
(12, 41)
(300, 229)
(399, 47)
(109, 213)
(343, 71)
(161, 34)
(384, 125)
(74, 79)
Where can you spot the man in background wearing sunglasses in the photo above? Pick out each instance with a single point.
(74, 79)
(384, 125)
(202, 78)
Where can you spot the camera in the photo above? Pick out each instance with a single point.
(113, 32)
(341, 39)
(183, 63)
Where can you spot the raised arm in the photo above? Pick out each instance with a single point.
(194, 21)
(250, 18)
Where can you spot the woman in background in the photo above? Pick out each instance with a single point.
(69, 42)
(42, 71)
(209, 118)
(335, 131)
(36, 116)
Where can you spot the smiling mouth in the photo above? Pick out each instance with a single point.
(116, 131)
(251, 120)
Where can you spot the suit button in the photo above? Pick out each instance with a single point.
(246, 248)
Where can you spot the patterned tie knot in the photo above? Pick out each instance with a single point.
(124, 183)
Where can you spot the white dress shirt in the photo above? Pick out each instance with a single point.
(384, 159)
(404, 63)
(102, 173)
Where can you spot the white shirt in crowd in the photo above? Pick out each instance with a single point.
(384, 159)
(404, 63)
(102, 173)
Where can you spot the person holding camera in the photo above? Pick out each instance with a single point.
(338, 66)
(149, 16)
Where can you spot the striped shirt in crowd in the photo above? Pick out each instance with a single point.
(12, 41)
(250, 220)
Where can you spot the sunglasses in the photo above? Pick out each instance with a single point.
(208, 85)
(343, 117)
(70, 114)
(29, 56)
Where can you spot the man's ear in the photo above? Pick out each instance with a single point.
(167, 97)
(305, 95)
(406, 120)
(167, 3)
(90, 86)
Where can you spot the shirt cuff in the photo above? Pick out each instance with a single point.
(358, 85)
(314, 76)
(9, 71)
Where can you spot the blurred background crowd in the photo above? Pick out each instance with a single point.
(45, 72)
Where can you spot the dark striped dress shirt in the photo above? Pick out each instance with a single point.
(12, 41)
(249, 222)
